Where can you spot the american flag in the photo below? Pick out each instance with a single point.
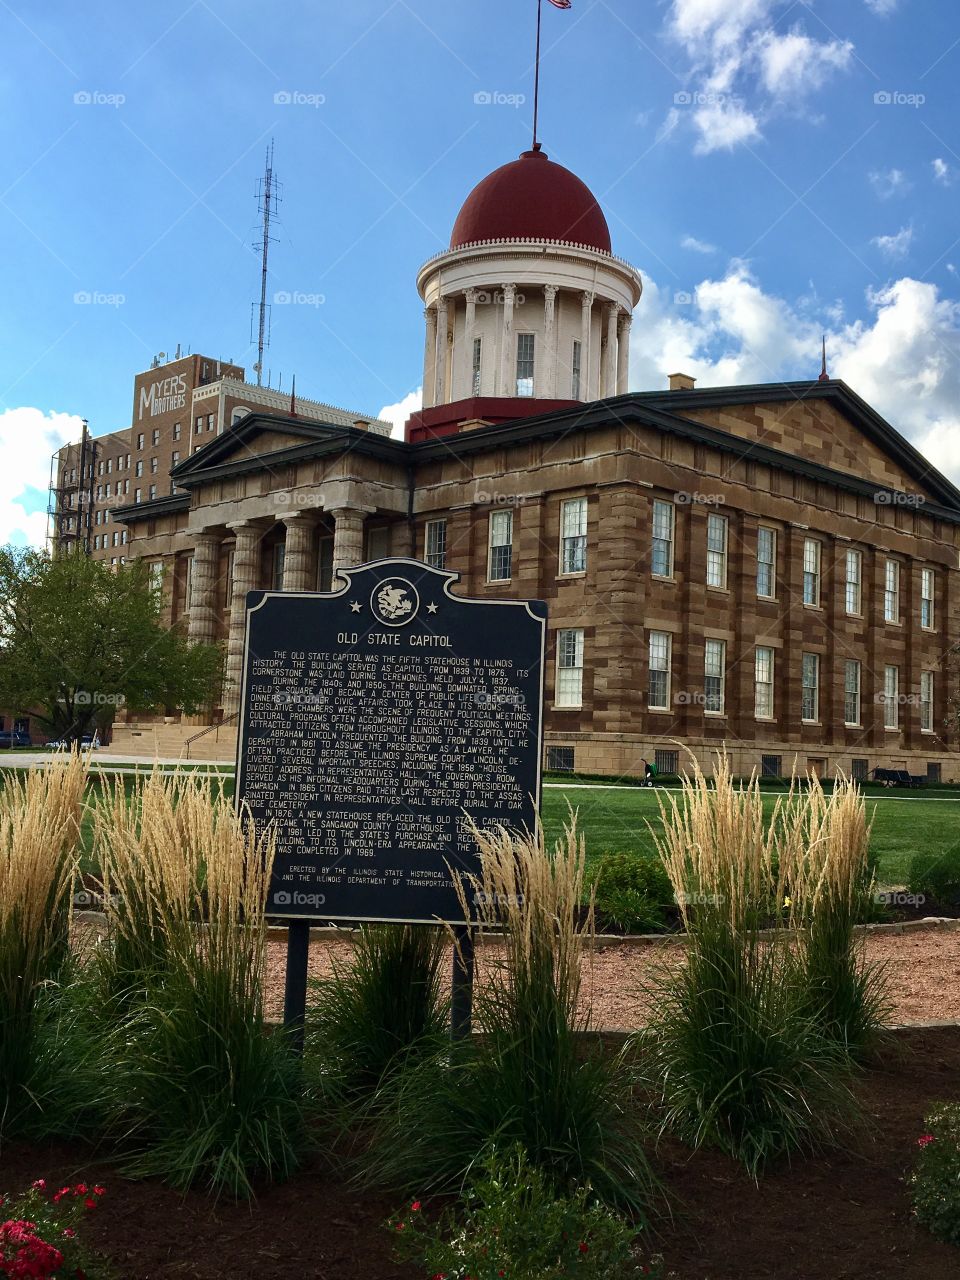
(562, 4)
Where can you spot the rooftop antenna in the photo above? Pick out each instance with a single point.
(268, 198)
(824, 376)
(293, 398)
(557, 4)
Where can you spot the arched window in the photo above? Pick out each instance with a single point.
(238, 414)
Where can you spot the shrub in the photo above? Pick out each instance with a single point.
(529, 1079)
(39, 832)
(633, 891)
(935, 1182)
(39, 1236)
(937, 876)
(201, 1092)
(514, 1224)
(379, 1011)
(742, 1063)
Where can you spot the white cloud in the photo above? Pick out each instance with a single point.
(942, 172)
(28, 438)
(897, 245)
(723, 126)
(903, 357)
(881, 7)
(398, 413)
(697, 246)
(742, 69)
(889, 182)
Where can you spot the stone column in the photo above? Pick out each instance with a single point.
(246, 577)
(347, 538)
(587, 385)
(296, 556)
(470, 324)
(545, 368)
(623, 353)
(508, 354)
(608, 377)
(429, 355)
(440, 380)
(202, 627)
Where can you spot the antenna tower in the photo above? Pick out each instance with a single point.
(268, 198)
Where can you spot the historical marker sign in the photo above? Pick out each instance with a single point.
(371, 721)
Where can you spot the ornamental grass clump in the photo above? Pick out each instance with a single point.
(530, 1078)
(826, 842)
(40, 813)
(742, 1061)
(379, 1012)
(202, 1093)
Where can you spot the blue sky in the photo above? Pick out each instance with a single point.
(774, 170)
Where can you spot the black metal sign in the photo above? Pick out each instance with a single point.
(372, 721)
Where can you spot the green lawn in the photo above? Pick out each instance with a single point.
(615, 819)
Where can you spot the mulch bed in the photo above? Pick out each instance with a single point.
(844, 1216)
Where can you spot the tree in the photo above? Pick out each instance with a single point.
(80, 638)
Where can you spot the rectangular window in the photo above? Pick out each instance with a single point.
(573, 535)
(934, 772)
(714, 676)
(153, 492)
(569, 668)
(926, 701)
(477, 364)
(106, 491)
(891, 697)
(435, 544)
(156, 435)
(198, 424)
(560, 759)
(661, 560)
(810, 700)
(156, 576)
(891, 591)
(210, 421)
(766, 562)
(575, 368)
(109, 466)
(658, 683)
(137, 495)
(763, 683)
(811, 571)
(854, 580)
(176, 431)
(926, 599)
(500, 567)
(138, 469)
(154, 465)
(851, 693)
(716, 551)
(175, 457)
(771, 766)
(667, 762)
(859, 770)
(524, 364)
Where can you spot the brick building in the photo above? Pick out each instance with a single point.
(772, 567)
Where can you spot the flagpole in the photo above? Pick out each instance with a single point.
(536, 80)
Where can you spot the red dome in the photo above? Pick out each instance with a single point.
(532, 198)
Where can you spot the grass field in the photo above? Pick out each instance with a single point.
(614, 819)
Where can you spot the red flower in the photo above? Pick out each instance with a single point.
(584, 1247)
(401, 1226)
(925, 1140)
(90, 1202)
(69, 1232)
(40, 1184)
(415, 1207)
(99, 1191)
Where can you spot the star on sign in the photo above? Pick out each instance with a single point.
(431, 608)
(354, 606)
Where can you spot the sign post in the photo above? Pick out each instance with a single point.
(375, 723)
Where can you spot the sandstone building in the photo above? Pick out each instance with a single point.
(772, 567)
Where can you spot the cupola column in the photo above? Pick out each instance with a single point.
(608, 379)
(545, 369)
(440, 383)
(469, 334)
(429, 355)
(623, 353)
(587, 385)
(507, 354)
